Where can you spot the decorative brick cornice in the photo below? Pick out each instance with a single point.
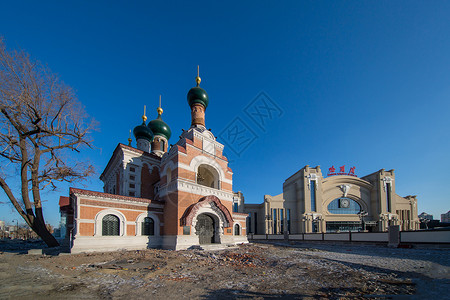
(191, 211)
(74, 191)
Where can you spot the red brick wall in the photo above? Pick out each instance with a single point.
(198, 114)
(148, 181)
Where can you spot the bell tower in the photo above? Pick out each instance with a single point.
(198, 101)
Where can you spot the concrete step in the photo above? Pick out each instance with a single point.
(215, 247)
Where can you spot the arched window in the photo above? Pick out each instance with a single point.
(237, 230)
(148, 226)
(344, 205)
(208, 176)
(161, 144)
(110, 225)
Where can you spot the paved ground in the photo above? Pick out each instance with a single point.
(255, 271)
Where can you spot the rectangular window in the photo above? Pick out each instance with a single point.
(132, 185)
(288, 220)
(249, 223)
(312, 185)
(235, 207)
(388, 197)
(132, 177)
(274, 218)
(282, 220)
(132, 169)
(131, 194)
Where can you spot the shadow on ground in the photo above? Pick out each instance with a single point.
(241, 294)
(22, 247)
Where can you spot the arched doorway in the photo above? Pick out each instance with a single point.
(205, 229)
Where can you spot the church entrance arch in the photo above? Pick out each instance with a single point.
(205, 229)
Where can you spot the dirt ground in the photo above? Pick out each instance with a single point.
(255, 271)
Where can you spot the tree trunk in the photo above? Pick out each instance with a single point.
(41, 229)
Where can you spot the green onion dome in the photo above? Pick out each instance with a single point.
(159, 127)
(143, 132)
(197, 95)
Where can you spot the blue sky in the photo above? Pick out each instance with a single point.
(357, 83)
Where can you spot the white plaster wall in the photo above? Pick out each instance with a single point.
(234, 239)
(179, 242)
(113, 243)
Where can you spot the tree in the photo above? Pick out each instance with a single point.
(41, 124)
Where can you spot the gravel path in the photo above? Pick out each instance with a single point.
(428, 268)
(255, 271)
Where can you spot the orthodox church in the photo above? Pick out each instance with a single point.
(155, 196)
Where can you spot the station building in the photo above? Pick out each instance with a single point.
(155, 196)
(340, 202)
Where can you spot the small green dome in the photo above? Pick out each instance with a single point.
(143, 132)
(159, 127)
(197, 95)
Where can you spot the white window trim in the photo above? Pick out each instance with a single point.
(240, 228)
(140, 219)
(99, 221)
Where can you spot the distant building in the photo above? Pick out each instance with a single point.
(11, 228)
(2, 225)
(426, 216)
(339, 202)
(445, 218)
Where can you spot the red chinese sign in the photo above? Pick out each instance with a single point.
(332, 171)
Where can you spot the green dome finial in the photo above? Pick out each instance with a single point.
(129, 139)
(198, 79)
(197, 94)
(142, 131)
(158, 126)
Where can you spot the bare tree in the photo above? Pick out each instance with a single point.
(41, 124)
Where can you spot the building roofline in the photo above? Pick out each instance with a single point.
(123, 146)
(73, 191)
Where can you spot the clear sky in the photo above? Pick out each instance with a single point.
(354, 83)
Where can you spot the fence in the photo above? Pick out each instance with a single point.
(411, 237)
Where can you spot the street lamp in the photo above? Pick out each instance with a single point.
(361, 216)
